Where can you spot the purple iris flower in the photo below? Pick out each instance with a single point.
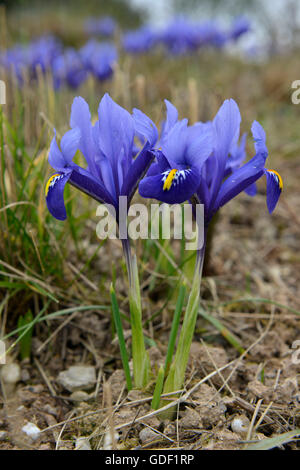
(180, 36)
(240, 26)
(210, 33)
(174, 178)
(140, 40)
(68, 68)
(99, 58)
(107, 147)
(43, 51)
(15, 60)
(203, 161)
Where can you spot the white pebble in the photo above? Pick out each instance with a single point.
(240, 424)
(82, 443)
(107, 444)
(77, 378)
(31, 430)
(11, 373)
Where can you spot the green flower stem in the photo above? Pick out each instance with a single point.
(175, 326)
(119, 329)
(175, 378)
(171, 346)
(140, 357)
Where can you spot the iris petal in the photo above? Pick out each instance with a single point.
(116, 130)
(227, 128)
(81, 118)
(171, 119)
(55, 194)
(137, 171)
(251, 190)
(115, 136)
(144, 127)
(259, 137)
(200, 144)
(69, 144)
(226, 133)
(274, 188)
(174, 144)
(240, 180)
(182, 185)
(56, 158)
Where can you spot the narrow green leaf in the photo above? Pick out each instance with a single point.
(25, 339)
(271, 442)
(158, 388)
(230, 337)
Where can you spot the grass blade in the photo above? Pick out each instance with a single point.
(271, 442)
(231, 338)
(158, 388)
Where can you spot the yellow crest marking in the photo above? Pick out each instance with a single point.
(278, 176)
(49, 182)
(169, 180)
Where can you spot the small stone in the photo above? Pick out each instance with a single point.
(11, 373)
(190, 419)
(82, 443)
(25, 376)
(3, 435)
(260, 390)
(39, 388)
(79, 396)
(45, 446)
(50, 410)
(108, 442)
(31, 430)
(240, 424)
(77, 378)
(148, 435)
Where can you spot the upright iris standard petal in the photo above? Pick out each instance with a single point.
(237, 155)
(116, 129)
(274, 188)
(171, 118)
(69, 144)
(59, 159)
(144, 127)
(200, 144)
(81, 118)
(56, 158)
(259, 137)
(226, 127)
(54, 193)
(244, 177)
(175, 142)
(115, 138)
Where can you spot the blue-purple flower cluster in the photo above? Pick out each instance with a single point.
(182, 36)
(67, 66)
(71, 67)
